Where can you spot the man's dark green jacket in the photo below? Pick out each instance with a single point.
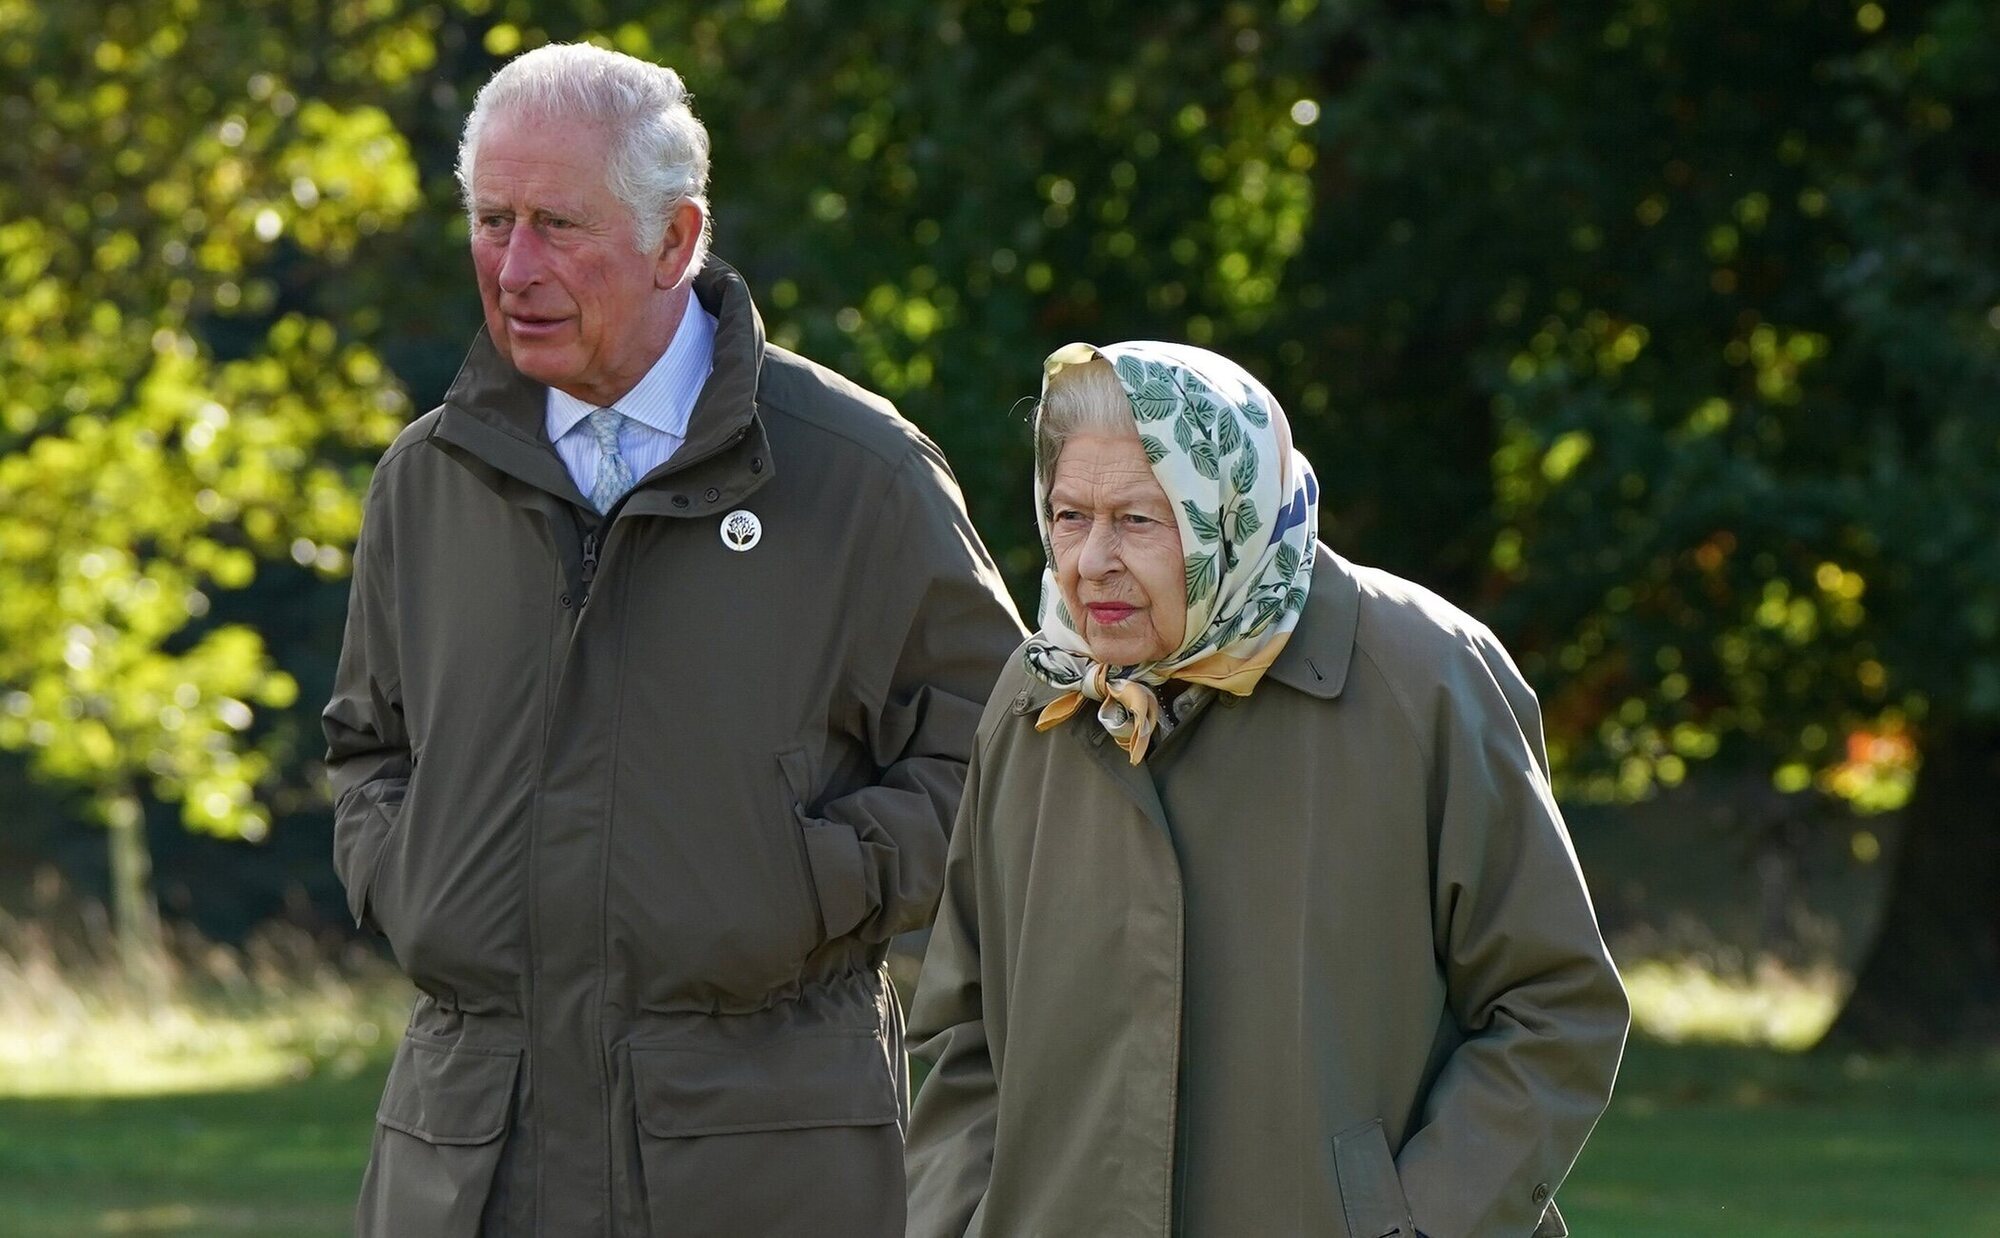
(639, 808)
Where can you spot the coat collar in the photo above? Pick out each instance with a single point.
(1314, 661)
(497, 414)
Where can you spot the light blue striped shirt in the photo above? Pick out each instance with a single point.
(656, 411)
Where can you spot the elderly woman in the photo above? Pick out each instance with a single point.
(1259, 917)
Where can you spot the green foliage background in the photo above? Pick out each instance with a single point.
(1663, 333)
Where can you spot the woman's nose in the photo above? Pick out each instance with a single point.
(1099, 557)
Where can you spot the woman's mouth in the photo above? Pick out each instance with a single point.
(1111, 612)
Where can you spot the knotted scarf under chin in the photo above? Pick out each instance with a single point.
(1129, 710)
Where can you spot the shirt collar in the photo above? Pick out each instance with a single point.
(666, 395)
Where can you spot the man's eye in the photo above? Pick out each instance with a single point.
(492, 221)
(559, 223)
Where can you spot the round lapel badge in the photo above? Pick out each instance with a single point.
(741, 529)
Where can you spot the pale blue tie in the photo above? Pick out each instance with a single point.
(614, 475)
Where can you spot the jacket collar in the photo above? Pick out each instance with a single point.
(1314, 661)
(495, 413)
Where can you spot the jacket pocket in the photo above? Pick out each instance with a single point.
(1371, 1195)
(799, 1135)
(438, 1140)
(362, 827)
(836, 882)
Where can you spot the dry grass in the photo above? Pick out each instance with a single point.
(1691, 986)
(1688, 1001)
(199, 1017)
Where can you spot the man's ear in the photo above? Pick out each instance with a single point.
(677, 245)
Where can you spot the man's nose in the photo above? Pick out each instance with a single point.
(521, 264)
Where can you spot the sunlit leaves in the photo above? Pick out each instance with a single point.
(163, 432)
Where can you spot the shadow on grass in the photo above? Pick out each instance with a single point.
(284, 1159)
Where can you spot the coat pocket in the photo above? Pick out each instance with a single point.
(1371, 1195)
(799, 1135)
(836, 882)
(438, 1140)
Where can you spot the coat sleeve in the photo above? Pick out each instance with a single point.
(939, 628)
(368, 750)
(950, 1151)
(1530, 983)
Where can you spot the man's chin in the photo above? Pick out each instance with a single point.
(538, 362)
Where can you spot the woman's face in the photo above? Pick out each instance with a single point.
(1118, 550)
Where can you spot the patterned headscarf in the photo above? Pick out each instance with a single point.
(1247, 506)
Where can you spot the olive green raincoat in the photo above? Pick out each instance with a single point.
(1323, 965)
(639, 801)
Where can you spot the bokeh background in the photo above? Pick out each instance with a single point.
(1664, 335)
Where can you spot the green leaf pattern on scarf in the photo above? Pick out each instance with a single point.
(1244, 475)
(1206, 527)
(1200, 578)
(1151, 389)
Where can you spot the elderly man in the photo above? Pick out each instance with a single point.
(663, 661)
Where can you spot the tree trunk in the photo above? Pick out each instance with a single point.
(135, 916)
(1932, 978)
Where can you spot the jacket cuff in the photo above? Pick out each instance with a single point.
(363, 824)
(839, 877)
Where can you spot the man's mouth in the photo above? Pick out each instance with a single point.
(532, 324)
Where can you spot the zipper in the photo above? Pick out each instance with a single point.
(592, 543)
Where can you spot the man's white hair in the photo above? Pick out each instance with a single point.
(659, 149)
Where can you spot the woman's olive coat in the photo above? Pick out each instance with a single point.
(1323, 965)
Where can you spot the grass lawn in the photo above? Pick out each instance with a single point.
(1724, 1141)
(282, 1161)
(1700, 1141)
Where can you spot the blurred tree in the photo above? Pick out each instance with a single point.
(1660, 332)
(1728, 280)
(180, 179)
